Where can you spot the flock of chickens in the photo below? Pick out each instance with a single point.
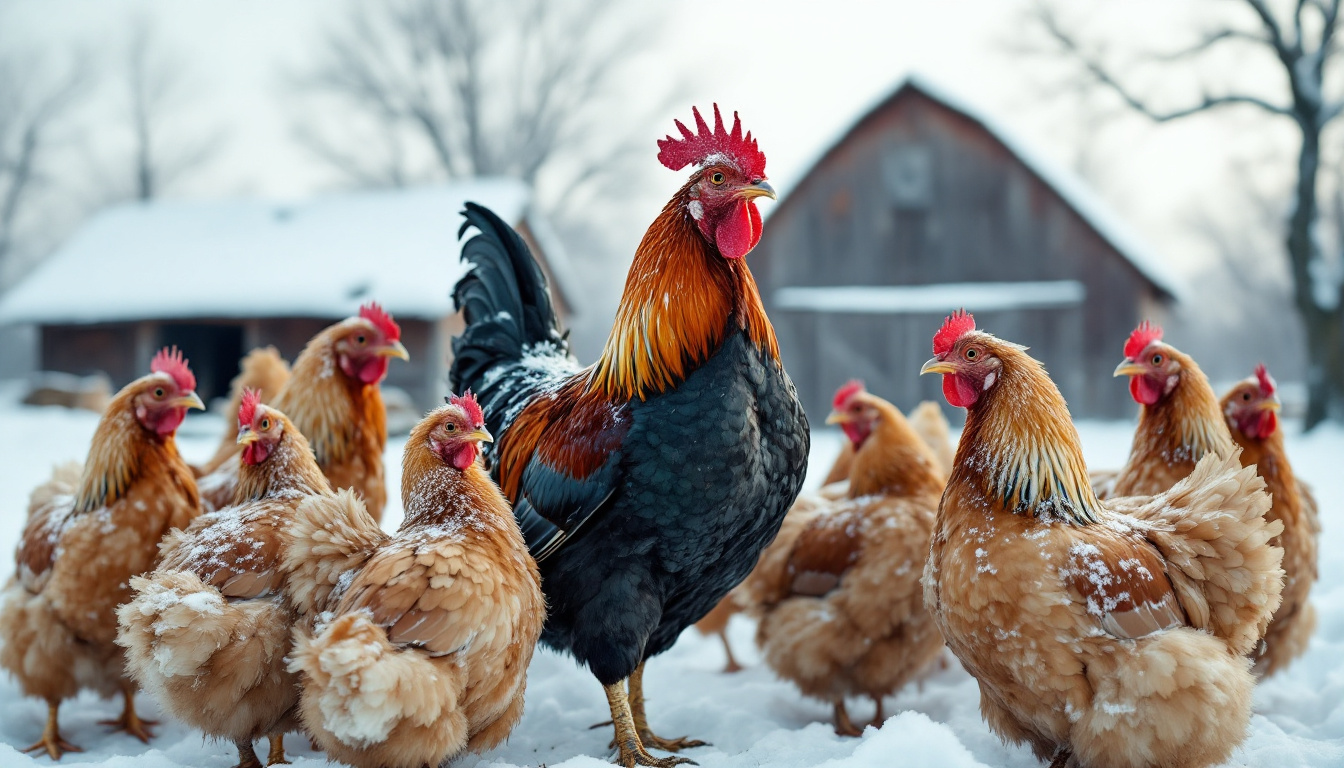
(1110, 619)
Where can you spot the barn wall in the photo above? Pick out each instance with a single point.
(920, 194)
(86, 349)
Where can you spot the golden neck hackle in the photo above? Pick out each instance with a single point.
(894, 460)
(681, 299)
(122, 452)
(289, 471)
(333, 411)
(1184, 426)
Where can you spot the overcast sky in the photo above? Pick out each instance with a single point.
(799, 71)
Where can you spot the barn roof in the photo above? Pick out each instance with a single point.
(1073, 190)
(251, 258)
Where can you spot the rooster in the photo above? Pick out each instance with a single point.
(1179, 419)
(647, 484)
(89, 531)
(333, 398)
(424, 654)
(1252, 411)
(208, 630)
(837, 593)
(1102, 634)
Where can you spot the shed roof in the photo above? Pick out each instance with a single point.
(1073, 190)
(251, 258)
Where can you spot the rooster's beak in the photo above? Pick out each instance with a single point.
(1128, 367)
(247, 437)
(395, 349)
(837, 417)
(761, 188)
(1272, 404)
(190, 400)
(934, 365)
(481, 435)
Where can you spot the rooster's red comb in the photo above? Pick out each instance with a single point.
(171, 362)
(954, 325)
(844, 393)
(1267, 384)
(467, 402)
(381, 320)
(706, 146)
(247, 410)
(1141, 337)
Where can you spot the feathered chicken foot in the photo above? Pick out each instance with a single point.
(843, 725)
(247, 756)
(129, 721)
(646, 734)
(277, 754)
(631, 750)
(51, 739)
(732, 665)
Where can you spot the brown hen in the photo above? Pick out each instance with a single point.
(263, 369)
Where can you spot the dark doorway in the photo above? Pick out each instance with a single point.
(214, 352)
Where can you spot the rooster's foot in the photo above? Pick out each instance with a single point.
(641, 720)
(51, 739)
(630, 748)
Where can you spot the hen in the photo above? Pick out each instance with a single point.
(88, 533)
(926, 419)
(647, 484)
(837, 593)
(263, 369)
(426, 650)
(333, 398)
(1251, 408)
(1179, 418)
(209, 629)
(1102, 634)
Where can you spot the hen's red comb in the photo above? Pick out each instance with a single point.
(467, 402)
(171, 362)
(844, 393)
(706, 146)
(247, 410)
(954, 325)
(1267, 384)
(1141, 337)
(381, 320)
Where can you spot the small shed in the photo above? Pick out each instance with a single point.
(218, 278)
(924, 206)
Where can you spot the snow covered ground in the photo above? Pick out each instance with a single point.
(751, 718)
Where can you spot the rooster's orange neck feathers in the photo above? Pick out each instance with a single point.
(681, 300)
(1020, 446)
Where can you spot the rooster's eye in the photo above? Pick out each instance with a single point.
(1157, 359)
(265, 424)
(971, 353)
(717, 178)
(158, 391)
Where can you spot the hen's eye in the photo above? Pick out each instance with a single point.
(452, 427)
(1245, 395)
(158, 391)
(1157, 359)
(265, 424)
(972, 353)
(717, 178)
(360, 339)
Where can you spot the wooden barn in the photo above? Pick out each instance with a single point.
(923, 206)
(218, 278)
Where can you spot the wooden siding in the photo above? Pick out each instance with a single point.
(920, 194)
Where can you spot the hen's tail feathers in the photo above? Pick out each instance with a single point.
(64, 482)
(931, 425)
(1211, 528)
(264, 369)
(329, 536)
(362, 693)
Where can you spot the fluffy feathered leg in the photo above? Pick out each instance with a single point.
(646, 734)
(630, 750)
(51, 739)
(130, 722)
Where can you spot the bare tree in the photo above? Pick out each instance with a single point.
(1302, 43)
(459, 88)
(32, 108)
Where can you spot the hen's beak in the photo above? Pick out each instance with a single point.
(837, 417)
(761, 188)
(395, 349)
(481, 435)
(190, 400)
(1272, 404)
(246, 436)
(934, 365)
(1128, 367)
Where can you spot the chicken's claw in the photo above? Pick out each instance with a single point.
(630, 750)
(51, 739)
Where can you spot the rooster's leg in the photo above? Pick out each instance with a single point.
(129, 721)
(247, 757)
(878, 718)
(650, 738)
(51, 739)
(732, 665)
(277, 754)
(631, 750)
(843, 725)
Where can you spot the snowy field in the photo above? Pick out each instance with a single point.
(751, 718)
